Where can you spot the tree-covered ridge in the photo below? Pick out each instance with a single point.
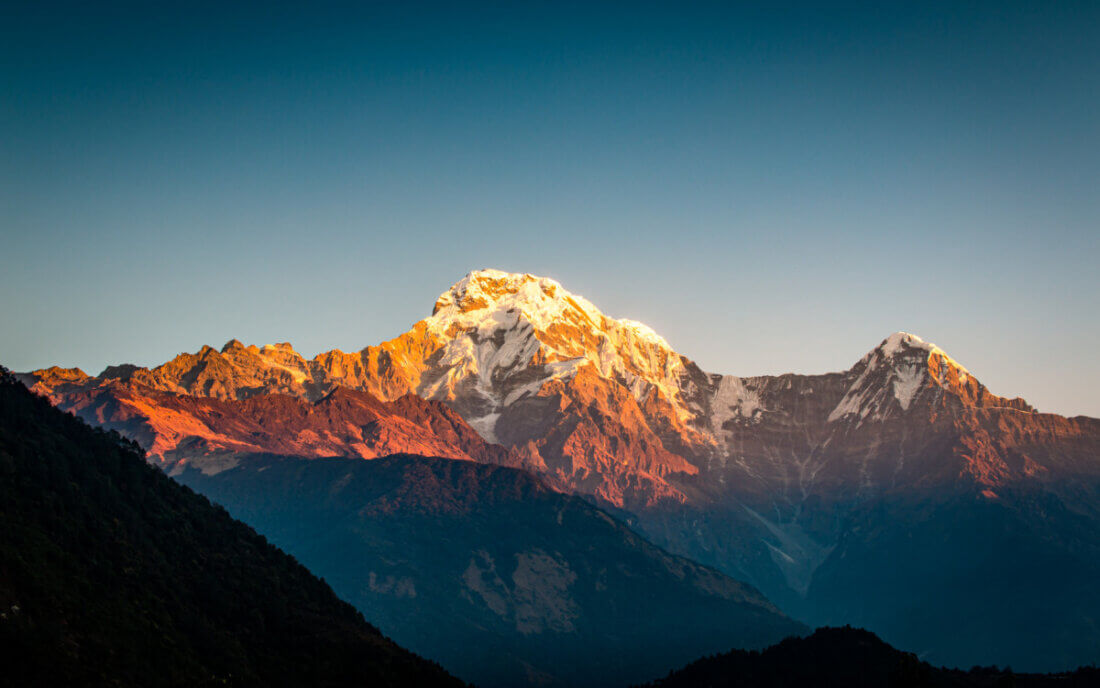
(851, 658)
(113, 574)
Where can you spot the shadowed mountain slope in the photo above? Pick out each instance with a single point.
(485, 569)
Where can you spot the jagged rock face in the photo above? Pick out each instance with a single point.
(541, 370)
(210, 433)
(235, 372)
(905, 414)
(607, 408)
(526, 363)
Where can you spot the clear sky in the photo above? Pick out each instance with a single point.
(773, 188)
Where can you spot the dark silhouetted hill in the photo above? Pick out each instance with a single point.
(851, 658)
(111, 574)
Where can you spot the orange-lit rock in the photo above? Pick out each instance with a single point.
(608, 408)
(343, 423)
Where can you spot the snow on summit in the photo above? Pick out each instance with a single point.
(483, 293)
(539, 300)
(563, 324)
(900, 342)
(896, 371)
(495, 324)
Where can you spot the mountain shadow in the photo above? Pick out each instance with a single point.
(485, 569)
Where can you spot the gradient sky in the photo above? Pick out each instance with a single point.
(773, 189)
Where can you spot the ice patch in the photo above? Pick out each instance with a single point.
(298, 373)
(486, 427)
(494, 323)
(732, 400)
(797, 555)
(855, 398)
(907, 381)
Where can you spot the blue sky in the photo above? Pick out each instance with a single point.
(773, 188)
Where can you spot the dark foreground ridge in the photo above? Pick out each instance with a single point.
(113, 574)
(851, 658)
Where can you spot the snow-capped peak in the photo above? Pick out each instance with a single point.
(483, 294)
(905, 343)
(895, 372)
(511, 333)
(903, 340)
(567, 324)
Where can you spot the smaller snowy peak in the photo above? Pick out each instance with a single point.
(896, 372)
(901, 341)
(905, 344)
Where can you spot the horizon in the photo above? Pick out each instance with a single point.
(772, 190)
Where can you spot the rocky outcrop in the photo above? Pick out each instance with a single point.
(207, 432)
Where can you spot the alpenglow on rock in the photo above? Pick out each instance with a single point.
(604, 406)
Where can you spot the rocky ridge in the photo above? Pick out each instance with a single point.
(606, 406)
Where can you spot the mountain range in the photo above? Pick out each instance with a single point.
(900, 494)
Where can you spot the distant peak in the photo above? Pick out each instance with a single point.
(66, 372)
(904, 342)
(493, 297)
(482, 288)
(59, 374)
(899, 341)
(122, 372)
(498, 283)
(232, 344)
(483, 293)
(280, 346)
